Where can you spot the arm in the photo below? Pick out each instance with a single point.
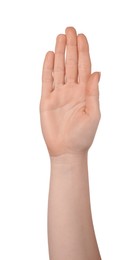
(70, 115)
(71, 234)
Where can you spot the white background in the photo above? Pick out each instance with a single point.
(27, 31)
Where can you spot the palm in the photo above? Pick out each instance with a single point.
(70, 111)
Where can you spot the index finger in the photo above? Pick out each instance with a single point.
(84, 63)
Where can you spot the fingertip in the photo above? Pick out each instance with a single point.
(61, 37)
(81, 35)
(98, 75)
(70, 29)
(49, 55)
(82, 42)
(48, 61)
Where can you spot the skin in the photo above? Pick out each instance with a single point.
(70, 114)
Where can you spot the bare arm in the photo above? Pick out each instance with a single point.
(70, 114)
(71, 233)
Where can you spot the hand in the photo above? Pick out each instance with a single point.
(69, 105)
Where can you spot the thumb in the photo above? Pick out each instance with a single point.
(92, 96)
(92, 85)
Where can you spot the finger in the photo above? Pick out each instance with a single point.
(47, 78)
(71, 55)
(59, 64)
(92, 95)
(84, 64)
(92, 88)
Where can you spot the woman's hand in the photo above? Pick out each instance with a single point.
(69, 105)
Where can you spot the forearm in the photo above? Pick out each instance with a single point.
(70, 230)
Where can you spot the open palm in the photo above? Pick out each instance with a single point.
(69, 105)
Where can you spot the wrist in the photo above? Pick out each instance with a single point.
(69, 163)
(69, 158)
